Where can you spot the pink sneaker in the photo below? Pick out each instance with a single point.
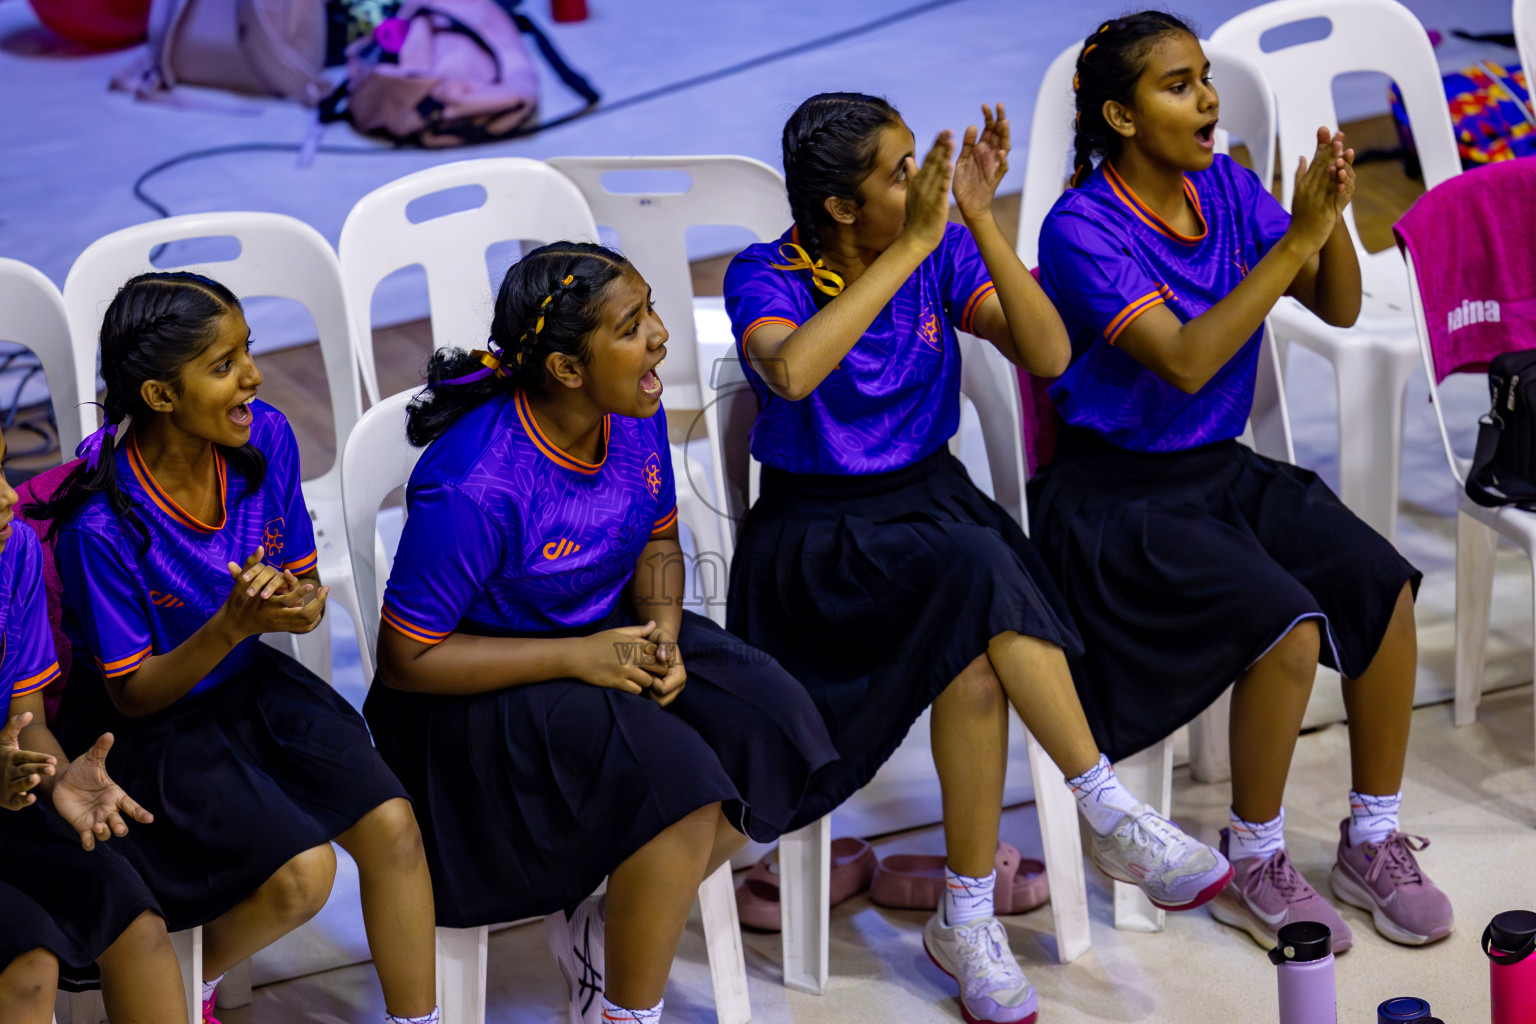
(1385, 879)
(1267, 893)
(208, 1017)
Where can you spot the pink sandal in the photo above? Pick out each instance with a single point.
(915, 881)
(757, 897)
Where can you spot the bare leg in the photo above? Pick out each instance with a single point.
(727, 842)
(969, 732)
(1035, 676)
(27, 986)
(397, 905)
(1380, 706)
(649, 897)
(141, 981)
(294, 894)
(1268, 702)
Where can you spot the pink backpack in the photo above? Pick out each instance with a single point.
(445, 73)
(41, 488)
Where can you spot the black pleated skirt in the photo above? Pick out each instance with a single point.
(241, 779)
(876, 592)
(56, 896)
(1184, 568)
(528, 797)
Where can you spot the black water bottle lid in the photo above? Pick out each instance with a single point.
(1302, 942)
(1513, 929)
(1402, 1008)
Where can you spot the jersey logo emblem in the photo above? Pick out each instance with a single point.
(166, 601)
(929, 332)
(653, 474)
(272, 541)
(560, 548)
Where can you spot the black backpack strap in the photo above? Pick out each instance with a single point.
(572, 78)
(1481, 473)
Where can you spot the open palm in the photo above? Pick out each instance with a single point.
(94, 805)
(982, 162)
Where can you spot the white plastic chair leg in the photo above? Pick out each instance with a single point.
(79, 1008)
(722, 939)
(1149, 775)
(1476, 546)
(1057, 812)
(1370, 391)
(235, 989)
(189, 954)
(461, 965)
(1210, 752)
(805, 883)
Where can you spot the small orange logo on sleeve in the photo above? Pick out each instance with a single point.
(560, 548)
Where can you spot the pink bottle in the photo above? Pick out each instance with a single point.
(1509, 941)
(1305, 961)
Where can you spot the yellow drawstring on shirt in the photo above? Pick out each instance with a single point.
(824, 280)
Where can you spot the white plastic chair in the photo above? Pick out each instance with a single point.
(378, 459)
(988, 381)
(1477, 527)
(32, 314)
(279, 256)
(524, 200)
(1525, 36)
(652, 226)
(87, 1007)
(1247, 112)
(1374, 359)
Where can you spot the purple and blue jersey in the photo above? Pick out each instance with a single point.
(510, 534)
(125, 602)
(28, 661)
(895, 397)
(1106, 258)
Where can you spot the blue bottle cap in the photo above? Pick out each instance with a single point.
(1402, 1008)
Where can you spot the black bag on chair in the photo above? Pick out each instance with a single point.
(1504, 465)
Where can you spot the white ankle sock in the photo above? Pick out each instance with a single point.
(620, 1015)
(1372, 818)
(209, 986)
(1254, 838)
(1101, 798)
(966, 899)
(431, 1018)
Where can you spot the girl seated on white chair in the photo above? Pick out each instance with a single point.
(1188, 560)
(531, 688)
(180, 539)
(63, 901)
(871, 566)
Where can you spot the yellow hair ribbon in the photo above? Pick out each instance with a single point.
(1089, 48)
(823, 279)
(490, 361)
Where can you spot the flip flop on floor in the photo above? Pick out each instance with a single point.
(757, 897)
(914, 881)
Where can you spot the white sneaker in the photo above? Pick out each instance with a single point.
(577, 943)
(1150, 852)
(993, 990)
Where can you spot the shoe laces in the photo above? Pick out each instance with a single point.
(984, 946)
(1279, 873)
(1148, 828)
(1395, 856)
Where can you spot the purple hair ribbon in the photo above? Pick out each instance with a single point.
(492, 361)
(90, 448)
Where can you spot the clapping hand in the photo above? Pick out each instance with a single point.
(22, 770)
(982, 162)
(94, 805)
(1323, 188)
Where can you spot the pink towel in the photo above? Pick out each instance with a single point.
(1473, 248)
(41, 488)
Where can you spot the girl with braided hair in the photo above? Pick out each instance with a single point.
(181, 538)
(872, 567)
(531, 690)
(1188, 560)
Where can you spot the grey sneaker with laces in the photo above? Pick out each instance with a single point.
(993, 990)
(1153, 854)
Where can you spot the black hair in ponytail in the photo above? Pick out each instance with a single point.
(156, 324)
(1108, 67)
(830, 145)
(550, 301)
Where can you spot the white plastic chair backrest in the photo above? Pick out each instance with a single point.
(1365, 35)
(279, 256)
(1247, 112)
(1525, 37)
(376, 460)
(652, 225)
(1459, 465)
(32, 314)
(524, 200)
(730, 410)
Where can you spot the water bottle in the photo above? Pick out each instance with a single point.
(1509, 940)
(1402, 1008)
(1305, 961)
